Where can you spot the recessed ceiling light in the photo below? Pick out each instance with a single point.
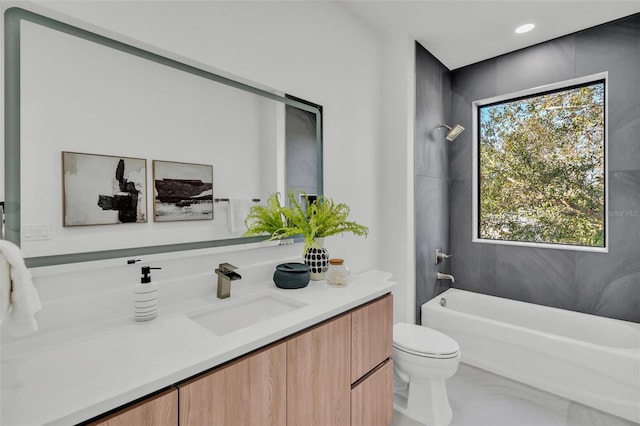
(525, 28)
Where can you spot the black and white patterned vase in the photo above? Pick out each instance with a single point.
(317, 258)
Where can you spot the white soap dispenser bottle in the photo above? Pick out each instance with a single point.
(145, 298)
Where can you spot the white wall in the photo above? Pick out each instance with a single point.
(320, 52)
(397, 166)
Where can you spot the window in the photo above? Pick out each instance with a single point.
(540, 166)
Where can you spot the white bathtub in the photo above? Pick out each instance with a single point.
(589, 359)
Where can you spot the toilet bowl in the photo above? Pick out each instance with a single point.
(423, 359)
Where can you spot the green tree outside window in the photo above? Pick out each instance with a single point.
(541, 168)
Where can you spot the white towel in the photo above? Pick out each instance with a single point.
(238, 211)
(5, 288)
(24, 301)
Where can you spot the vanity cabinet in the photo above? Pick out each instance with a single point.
(158, 410)
(248, 391)
(336, 373)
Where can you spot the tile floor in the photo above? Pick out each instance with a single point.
(480, 398)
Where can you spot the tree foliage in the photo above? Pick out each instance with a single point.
(542, 168)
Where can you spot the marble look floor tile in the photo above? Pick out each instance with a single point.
(401, 420)
(580, 415)
(480, 398)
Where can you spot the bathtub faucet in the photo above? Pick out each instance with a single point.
(442, 276)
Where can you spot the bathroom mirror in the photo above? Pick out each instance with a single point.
(70, 90)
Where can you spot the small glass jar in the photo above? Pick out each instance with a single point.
(338, 274)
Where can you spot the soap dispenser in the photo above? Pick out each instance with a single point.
(146, 297)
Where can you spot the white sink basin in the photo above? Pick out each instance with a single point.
(234, 314)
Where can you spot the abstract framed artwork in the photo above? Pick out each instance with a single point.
(103, 189)
(182, 191)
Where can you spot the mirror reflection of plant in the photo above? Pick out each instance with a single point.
(320, 218)
(265, 219)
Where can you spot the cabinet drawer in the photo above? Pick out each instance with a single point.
(371, 336)
(372, 398)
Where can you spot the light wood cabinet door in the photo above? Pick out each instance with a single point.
(371, 336)
(159, 410)
(372, 398)
(318, 386)
(250, 391)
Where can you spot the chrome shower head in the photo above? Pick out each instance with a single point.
(452, 134)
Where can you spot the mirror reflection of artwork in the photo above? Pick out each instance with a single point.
(183, 191)
(103, 189)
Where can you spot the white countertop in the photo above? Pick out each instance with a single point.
(79, 377)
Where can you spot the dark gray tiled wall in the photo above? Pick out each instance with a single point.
(301, 151)
(433, 94)
(605, 284)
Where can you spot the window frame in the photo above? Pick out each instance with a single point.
(527, 93)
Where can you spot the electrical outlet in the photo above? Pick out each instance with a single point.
(36, 232)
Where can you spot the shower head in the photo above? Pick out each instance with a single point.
(452, 133)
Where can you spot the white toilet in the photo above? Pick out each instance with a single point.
(423, 359)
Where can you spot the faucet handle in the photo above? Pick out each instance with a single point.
(225, 268)
(440, 256)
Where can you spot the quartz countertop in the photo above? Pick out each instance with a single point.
(84, 374)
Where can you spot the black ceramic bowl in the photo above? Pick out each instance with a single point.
(292, 275)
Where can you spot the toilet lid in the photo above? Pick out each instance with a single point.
(423, 341)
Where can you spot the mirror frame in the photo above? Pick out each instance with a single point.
(12, 20)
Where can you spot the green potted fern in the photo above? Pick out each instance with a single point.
(319, 219)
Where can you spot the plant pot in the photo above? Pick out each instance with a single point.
(318, 260)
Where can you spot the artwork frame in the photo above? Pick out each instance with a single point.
(182, 191)
(99, 189)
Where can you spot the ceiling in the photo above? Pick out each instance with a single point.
(462, 32)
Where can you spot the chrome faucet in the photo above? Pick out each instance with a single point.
(226, 274)
(442, 276)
